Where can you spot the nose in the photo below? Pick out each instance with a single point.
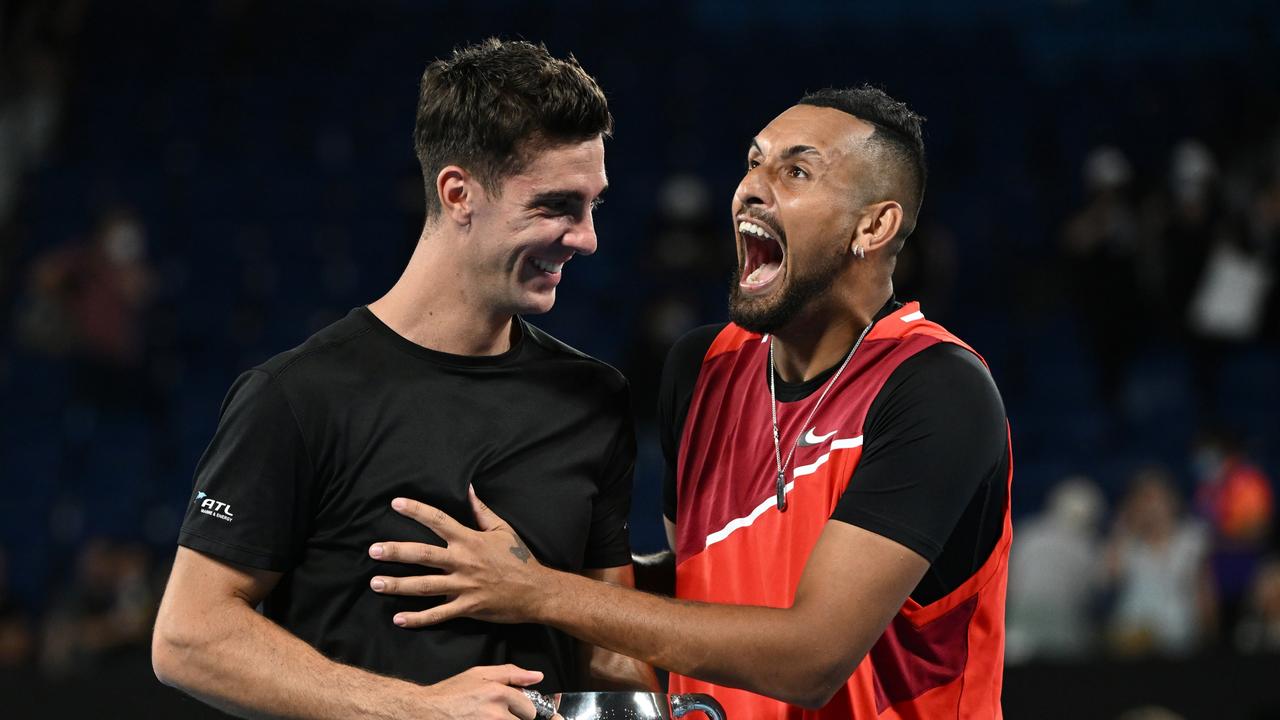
(753, 190)
(581, 238)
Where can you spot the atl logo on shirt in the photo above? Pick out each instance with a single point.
(213, 508)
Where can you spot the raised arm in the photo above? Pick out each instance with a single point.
(210, 642)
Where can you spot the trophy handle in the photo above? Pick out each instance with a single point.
(681, 704)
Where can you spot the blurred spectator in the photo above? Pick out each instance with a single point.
(1100, 242)
(89, 299)
(1055, 576)
(1181, 220)
(89, 303)
(1157, 559)
(1259, 629)
(15, 626)
(36, 39)
(1236, 499)
(108, 609)
(1215, 282)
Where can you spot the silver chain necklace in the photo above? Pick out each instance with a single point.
(773, 395)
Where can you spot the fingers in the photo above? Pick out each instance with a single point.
(520, 704)
(421, 586)
(412, 553)
(434, 616)
(434, 518)
(508, 674)
(486, 519)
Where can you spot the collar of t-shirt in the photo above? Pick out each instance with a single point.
(404, 344)
(793, 391)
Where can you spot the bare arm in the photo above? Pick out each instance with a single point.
(853, 584)
(211, 643)
(609, 670)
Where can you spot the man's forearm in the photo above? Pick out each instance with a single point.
(764, 650)
(608, 670)
(246, 665)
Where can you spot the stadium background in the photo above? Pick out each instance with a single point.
(188, 188)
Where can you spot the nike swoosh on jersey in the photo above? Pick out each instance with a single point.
(811, 439)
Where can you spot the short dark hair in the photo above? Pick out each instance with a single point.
(897, 132)
(491, 105)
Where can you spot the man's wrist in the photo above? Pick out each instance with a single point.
(549, 588)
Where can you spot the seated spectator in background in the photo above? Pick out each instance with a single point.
(107, 611)
(1259, 629)
(1236, 499)
(1157, 561)
(1054, 576)
(15, 626)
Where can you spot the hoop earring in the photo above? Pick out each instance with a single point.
(859, 252)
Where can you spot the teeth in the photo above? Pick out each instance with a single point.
(750, 227)
(545, 266)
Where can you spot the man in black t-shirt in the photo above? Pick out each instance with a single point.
(434, 389)
(838, 464)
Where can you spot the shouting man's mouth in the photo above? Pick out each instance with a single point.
(762, 256)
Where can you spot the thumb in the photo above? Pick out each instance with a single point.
(485, 518)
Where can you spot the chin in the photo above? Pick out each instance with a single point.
(535, 304)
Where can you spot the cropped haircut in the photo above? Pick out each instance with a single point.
(492, 106)
(898, 139)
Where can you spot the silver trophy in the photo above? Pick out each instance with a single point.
(624, 705)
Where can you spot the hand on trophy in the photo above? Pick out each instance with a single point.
(489, 574)
(495, 691)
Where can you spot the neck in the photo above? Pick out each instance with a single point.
(434, 303)
(820, 337)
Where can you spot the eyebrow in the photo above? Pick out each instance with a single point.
(792, 151)
(562, 197)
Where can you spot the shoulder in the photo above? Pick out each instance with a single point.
(943, 393)
(325, 348)
(944, 369)
(313, 371)
(584, 366)
(687, 353)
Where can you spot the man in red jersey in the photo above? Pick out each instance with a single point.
(838, 465)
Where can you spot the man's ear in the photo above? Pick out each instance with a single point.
(878, 226)
(457, 190)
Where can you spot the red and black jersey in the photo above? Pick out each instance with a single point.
(942, 655)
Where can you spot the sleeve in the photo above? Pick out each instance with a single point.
(935, 432)
(253, 483)
(679, 376)
(609, 541)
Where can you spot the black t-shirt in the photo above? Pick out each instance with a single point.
(314, 444)
(934, 465)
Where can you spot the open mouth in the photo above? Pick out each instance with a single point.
(762, 255)
(547, 266)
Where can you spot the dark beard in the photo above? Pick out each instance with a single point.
(767, 315)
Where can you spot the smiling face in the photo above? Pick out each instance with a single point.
(540, 218)
(795, 212)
